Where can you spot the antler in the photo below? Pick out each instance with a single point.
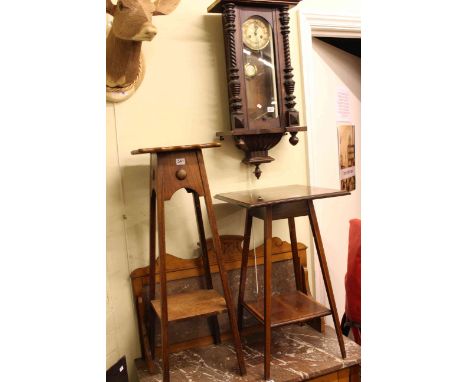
(110, 7)
(164, 7)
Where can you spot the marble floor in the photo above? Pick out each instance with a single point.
(298, 353)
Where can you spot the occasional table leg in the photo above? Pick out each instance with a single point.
(325, 274)
(212, 320)
(222, 270)
(267, 287)
(227, 294)
(243, 271)
(163, 286)
(295, 255)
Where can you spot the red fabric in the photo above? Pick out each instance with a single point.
(353, 277)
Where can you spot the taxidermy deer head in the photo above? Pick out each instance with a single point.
(132, 24)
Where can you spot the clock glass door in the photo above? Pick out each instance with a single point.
(260, 72)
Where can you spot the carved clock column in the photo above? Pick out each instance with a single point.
(235, 101)
(292, 115)
(260, 76)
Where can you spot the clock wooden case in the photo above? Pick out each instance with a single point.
(259, 75)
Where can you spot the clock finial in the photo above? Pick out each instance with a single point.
(257, 171)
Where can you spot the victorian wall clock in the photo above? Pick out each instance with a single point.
(259, 73)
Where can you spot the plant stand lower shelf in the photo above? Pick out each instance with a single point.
(299, 353)
(200, 303)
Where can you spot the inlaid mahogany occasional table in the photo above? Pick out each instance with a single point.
(171, 169)
(286, 202)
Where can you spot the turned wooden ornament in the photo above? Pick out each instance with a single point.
(132, 24)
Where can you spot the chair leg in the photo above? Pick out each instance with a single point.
(267, 287)
(326, 275)
(344, 327)
(295, 255)
(212, 320)
(145, 345)
(243, 271)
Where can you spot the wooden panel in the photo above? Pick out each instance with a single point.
(338, 376)
(355, 374)
(276, 195)
(169, 165)
(332, 377)
(283, 211)
(343, 375)
(288, 308)
(200, 303)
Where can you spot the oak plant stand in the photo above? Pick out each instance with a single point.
(276, 203)
(171, 169)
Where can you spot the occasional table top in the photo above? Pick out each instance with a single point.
(276, 195)
(176, 148)
(299, 353)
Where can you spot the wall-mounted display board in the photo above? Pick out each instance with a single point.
(260, 76)
(347, 152)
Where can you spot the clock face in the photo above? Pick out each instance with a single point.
(256, 33)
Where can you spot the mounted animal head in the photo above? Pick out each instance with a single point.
(132, 24)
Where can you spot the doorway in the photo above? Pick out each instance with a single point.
(330, 49)
(335, 72)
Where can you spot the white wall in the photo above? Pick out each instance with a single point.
(333, 69)
(332, 7)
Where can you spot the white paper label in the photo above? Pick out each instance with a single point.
(343, 107)
(346, 173)
(270, 109)
(180, 161)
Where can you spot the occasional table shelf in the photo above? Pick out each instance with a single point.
(200, 303)
(288, 308)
